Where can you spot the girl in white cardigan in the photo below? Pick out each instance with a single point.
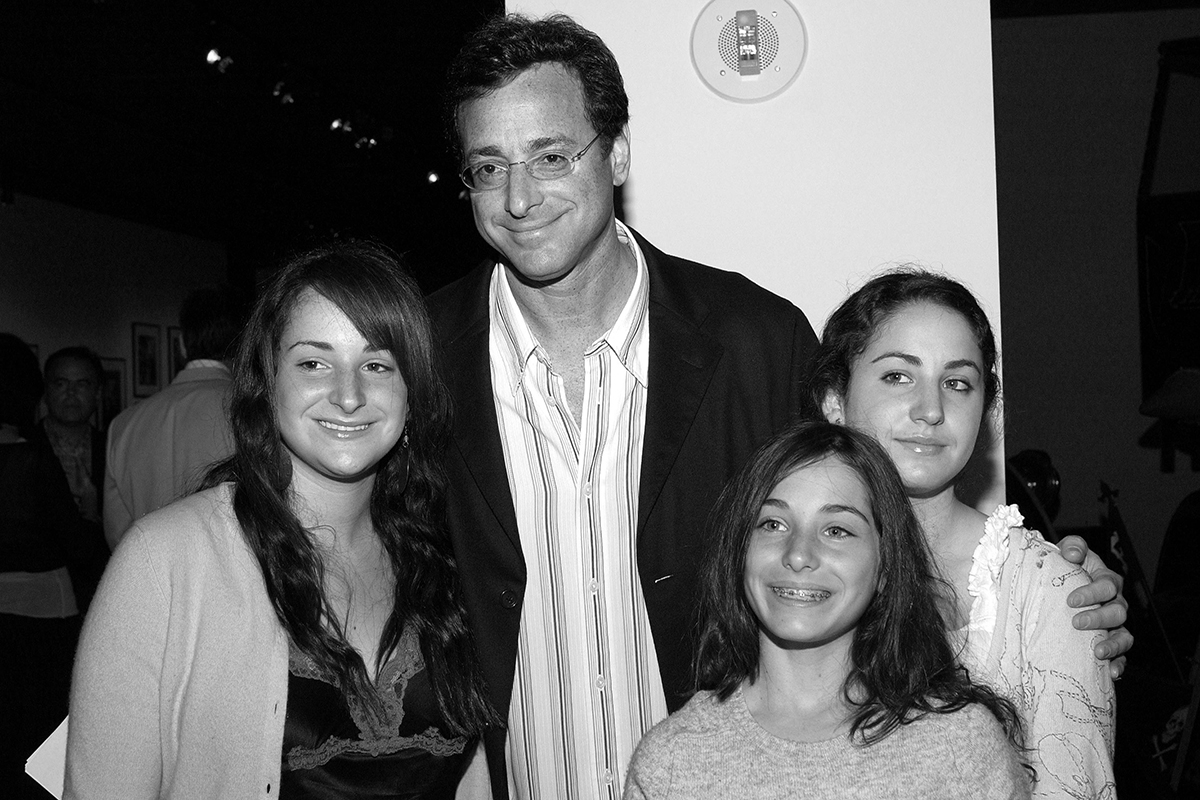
(296, 627)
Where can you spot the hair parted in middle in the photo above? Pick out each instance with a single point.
(507, 45)
(903, 665)
(368, 283)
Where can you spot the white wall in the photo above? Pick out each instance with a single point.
(882, 151)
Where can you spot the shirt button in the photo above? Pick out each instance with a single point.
(593, 587)
(600, 682)
(608, 776)
(587, 489)
(508, 598)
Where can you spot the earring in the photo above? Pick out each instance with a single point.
(402, 478)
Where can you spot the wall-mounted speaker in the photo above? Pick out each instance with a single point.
(748, 54)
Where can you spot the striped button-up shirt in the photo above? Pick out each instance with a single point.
(587, 685)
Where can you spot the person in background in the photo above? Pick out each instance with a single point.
(295, 629)
(159, 449)
(824, 665)
(41, 531)
(910, 359)
(73, 377)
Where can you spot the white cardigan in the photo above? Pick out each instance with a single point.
(180, 684)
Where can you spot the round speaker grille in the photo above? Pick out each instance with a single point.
(775, 45)
(768, 43)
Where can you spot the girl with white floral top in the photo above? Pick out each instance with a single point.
(910, 358)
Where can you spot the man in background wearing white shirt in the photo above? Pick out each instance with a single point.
(159, 450)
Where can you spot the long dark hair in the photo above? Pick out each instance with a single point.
(852, 326)
(903, 665)
(367, 282)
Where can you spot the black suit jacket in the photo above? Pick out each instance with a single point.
(727, 361)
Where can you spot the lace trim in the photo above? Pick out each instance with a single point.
(430, 741)
(983, 582)
(377, 737)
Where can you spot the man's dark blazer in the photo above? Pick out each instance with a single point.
(727, 362)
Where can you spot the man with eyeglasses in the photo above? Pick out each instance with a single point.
(604, 392)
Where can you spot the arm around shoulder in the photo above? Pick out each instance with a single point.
(1071, 716)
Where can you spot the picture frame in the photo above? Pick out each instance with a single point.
(175, 356)
(113, 398)
(147, 376)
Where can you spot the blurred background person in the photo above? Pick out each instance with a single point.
(40, 530)
(159, 449)
(73, 377)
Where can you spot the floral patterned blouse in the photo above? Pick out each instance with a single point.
(1019, 640)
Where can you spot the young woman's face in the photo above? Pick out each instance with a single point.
(918, 389)
(812, 562)
(341, 405)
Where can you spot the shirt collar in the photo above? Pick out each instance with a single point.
(508, 326)
(627, 337)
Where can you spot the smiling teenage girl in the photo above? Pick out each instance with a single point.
(296, 628)
(824, 663)
(910, 359)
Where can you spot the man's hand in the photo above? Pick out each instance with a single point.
(1105, 591)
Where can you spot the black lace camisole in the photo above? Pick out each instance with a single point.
(333, 749)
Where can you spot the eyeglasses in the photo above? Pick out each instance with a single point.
(487, 175)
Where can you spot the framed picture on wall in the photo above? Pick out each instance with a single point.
(146, 376)
(175, 357)
(112, 390)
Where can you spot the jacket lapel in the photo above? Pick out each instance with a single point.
(476, 428)
(682, 362)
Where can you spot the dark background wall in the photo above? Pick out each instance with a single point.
(1073, 97)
